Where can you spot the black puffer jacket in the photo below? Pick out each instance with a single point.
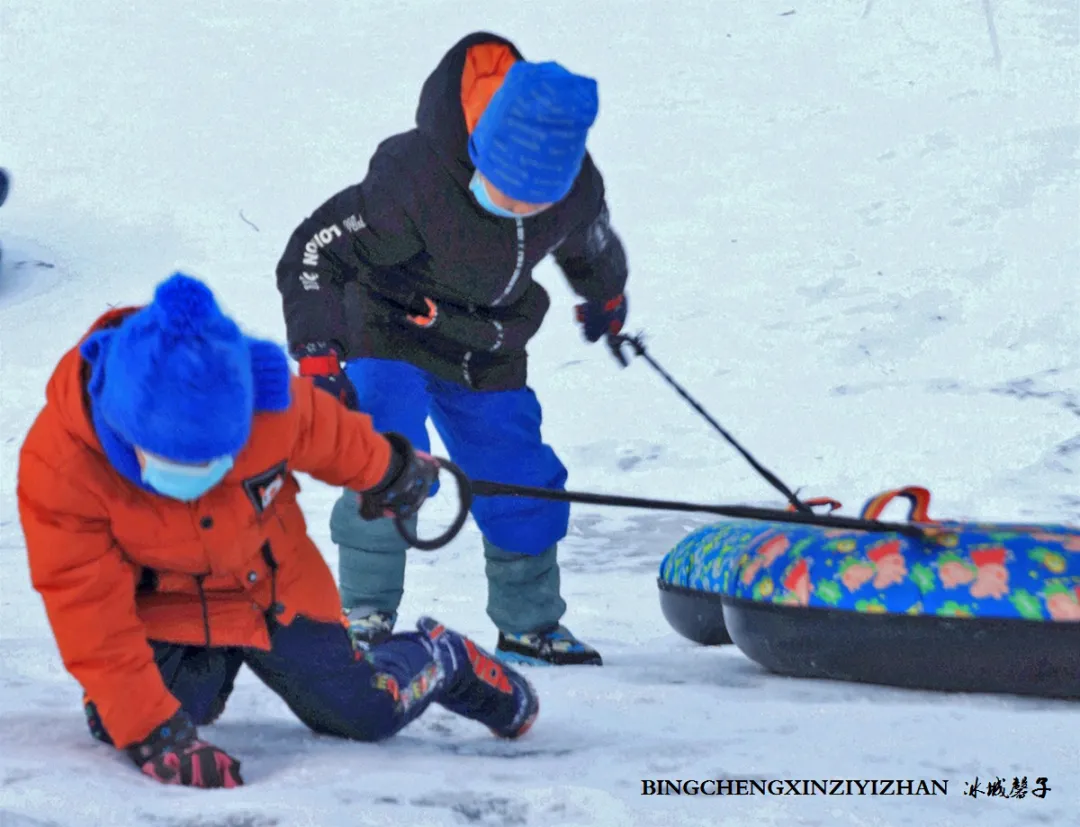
(411, 230)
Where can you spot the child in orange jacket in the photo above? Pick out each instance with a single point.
(157, 496)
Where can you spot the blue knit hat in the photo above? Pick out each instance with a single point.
(530, 141)
(178, 378)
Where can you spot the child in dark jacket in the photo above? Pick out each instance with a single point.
(419, 280)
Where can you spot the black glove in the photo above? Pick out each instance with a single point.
(173, 754)
(321, 362)
(405, 485)
(600, 319)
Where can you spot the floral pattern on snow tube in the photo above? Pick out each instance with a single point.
(971, 569)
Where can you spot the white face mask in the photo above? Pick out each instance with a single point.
(183, 482)
(480, 192)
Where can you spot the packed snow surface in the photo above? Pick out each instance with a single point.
(853, 235)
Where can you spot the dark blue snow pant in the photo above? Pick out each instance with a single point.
(491, 435)
(313, 667)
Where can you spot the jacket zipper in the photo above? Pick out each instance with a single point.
(519, 266)
(271, 563)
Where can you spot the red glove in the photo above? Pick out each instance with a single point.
(173, 754)
(602, 318)
(321, 362)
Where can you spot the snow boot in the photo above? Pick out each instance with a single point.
(477, 686)
(549, 647)
(368, 628)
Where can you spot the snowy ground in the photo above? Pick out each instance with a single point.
(853, 232)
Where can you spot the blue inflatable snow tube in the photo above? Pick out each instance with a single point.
(978, 608)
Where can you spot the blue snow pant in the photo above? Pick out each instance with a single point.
(491, 435)
(313, 667)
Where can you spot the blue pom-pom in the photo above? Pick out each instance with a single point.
(185, 304)
(179, 381)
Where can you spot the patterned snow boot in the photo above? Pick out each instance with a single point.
(550, 647)
(477, 686)
(367, 628)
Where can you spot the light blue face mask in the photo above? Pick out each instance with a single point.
(183, 482)
(483, 198)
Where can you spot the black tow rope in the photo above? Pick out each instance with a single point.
(467, 489)
(799, 512)
(497, 489)
(637, 344)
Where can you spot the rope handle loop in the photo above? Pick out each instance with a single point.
(918, 497)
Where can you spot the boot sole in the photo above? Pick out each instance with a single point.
(518, 659)
(525, 726)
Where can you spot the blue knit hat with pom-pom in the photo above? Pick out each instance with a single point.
(179, 379)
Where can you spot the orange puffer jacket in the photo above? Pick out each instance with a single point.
(117, 565)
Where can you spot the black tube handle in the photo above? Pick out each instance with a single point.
(465, 498)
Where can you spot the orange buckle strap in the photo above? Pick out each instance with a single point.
(833, 504)
(428, 320)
